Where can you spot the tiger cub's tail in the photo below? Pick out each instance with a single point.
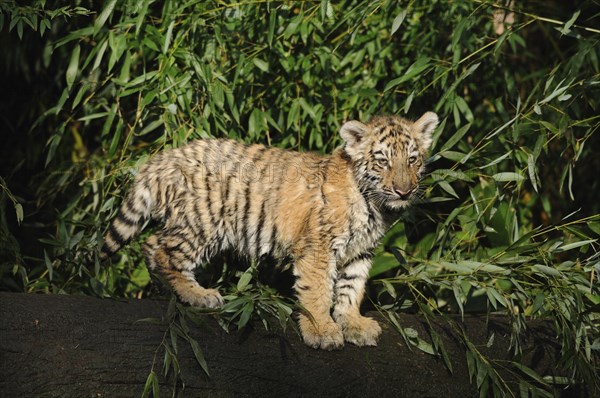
(136, 208)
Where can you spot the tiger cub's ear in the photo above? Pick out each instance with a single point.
(354, 134)
(424, 129)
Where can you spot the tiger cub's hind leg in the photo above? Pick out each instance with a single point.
(175, 255)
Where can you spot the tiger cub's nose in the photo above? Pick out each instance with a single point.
(403, 193)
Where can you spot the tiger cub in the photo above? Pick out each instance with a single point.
(326, 212)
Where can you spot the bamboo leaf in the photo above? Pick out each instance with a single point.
(19, 212)
(168, 37)
(260, 64)
(566, 29)
(398, 21)
(73, 67)
(574, 245)
(531, 171)
(415, 69)
(508, 176)
(529, 372)
(141, 16)
(244, 280)
(151, 380)
(543, 269)
(448, 188)
(198, 355)
(456, 137)
(103, 16)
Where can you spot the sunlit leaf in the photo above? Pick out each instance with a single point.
(103, 16)
(508, 176)
(73, 66)
(415, 69)
(398, 21)
(456, 137)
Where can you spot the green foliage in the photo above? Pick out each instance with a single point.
(178, 329)
(509, 221)
(249, 299)
(34, 16)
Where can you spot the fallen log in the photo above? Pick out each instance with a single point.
(75, 346)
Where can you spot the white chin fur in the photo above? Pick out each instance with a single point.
(398, 204)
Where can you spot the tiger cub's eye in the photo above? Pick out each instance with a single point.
(383, 163)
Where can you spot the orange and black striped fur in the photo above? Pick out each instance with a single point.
(326, 212)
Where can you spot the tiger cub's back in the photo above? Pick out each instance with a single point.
(231, 195)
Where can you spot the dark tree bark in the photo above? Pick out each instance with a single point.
(73, 346)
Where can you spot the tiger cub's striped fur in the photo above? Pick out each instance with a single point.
(326, 212)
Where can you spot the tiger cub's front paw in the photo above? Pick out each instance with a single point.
(326, 335)
(361, 331)
(200, 297)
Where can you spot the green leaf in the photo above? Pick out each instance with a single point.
(574, 245)
(566, 29)
(408, 102)
(471, 364)
(383, 263)
(559, 90)
(103, 16)
(114, 142)
(496, 161)
(438, 344)
(73, 67)
(448, 188)
(423, 346)
(260, 64)
(531, 171)
(486, 267)
(272, 23)
(144, 78)
(141, 16)
(458, 31)
(508, 176)
(198, 355)
(118, 45)
(20, 28)
(151, 126)
(411, 333)
(458, 296)
(415, 69)
(151, 385)
(529, 372)
(53, 143)
(244, 280)
(48, 265)
(44, 24)
(538, 303)
(153, 321)
(460, 133)
(19, 212)
(168, 37)
(450, 175)
(100, 54)
(594, 226)
(246, 314)
(389, 288)
(293, 116)
(482, 373)
(543, 269)
(167, 361)
(398, 21)
(326, 10)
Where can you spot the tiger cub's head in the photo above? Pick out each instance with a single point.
(388, 154)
